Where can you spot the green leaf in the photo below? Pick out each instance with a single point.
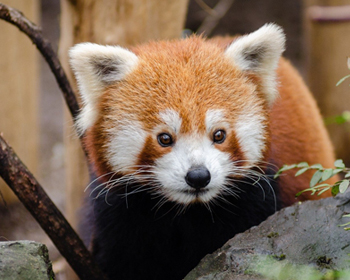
(347, 175)
(316, 178)
(342, 80)
(277, 174)
(306, 190)
(346, 115)
(343, 186)
(316, 166)
(324, 190)
(335, 189)
(287, 167)
(321, 186)
(327, 173)
(303, 164)
(343, 225)
(339, 163)
(336, 171)
(340, 119)
(301, 171)
(284, 168)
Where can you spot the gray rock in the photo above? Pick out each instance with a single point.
(305, 237)
(24, 260)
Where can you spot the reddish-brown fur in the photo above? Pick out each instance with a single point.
(232, 147)
(151, 152)
(297, 133)
(191, 76)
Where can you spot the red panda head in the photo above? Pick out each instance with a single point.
(184, 117)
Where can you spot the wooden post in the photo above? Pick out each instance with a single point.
(113, 22)
(19, 90)
(328, 46)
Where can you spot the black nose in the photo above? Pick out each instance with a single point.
(198, 177)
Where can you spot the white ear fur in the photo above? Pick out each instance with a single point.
(259, 52)
(96, 67)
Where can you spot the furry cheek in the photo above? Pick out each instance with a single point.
(251, 133)
(232, 147)
(126, 142)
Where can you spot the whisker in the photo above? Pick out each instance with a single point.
(93, 181)
(106, 197)
(219, 199)
(253, 175)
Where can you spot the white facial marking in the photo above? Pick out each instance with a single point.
(171, 119)
(126, 141)
(250, 130)
(215, 119)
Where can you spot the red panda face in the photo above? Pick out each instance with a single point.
(184, 118)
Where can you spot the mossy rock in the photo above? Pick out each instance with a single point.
(306, 237)
(25, 260)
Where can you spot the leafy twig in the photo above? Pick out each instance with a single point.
(321, 175)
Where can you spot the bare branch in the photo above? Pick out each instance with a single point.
(329, 14)
(206, 7)
(23, 183)
(212, 20)
(34, 198)
(34, 33)
(44, 46)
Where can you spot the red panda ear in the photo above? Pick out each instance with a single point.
(259, 52)
(95, 67)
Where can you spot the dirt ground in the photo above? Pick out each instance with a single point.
(16, 222)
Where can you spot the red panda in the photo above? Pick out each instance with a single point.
(184, 137)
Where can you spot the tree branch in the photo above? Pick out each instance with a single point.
(329, 14)
(211, 21)
(23, 183)
(44, 46)
(34, 198)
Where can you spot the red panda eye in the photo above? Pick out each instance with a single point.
(219, 136)
(165, 140)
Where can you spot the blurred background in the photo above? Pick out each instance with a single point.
(33, 118)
